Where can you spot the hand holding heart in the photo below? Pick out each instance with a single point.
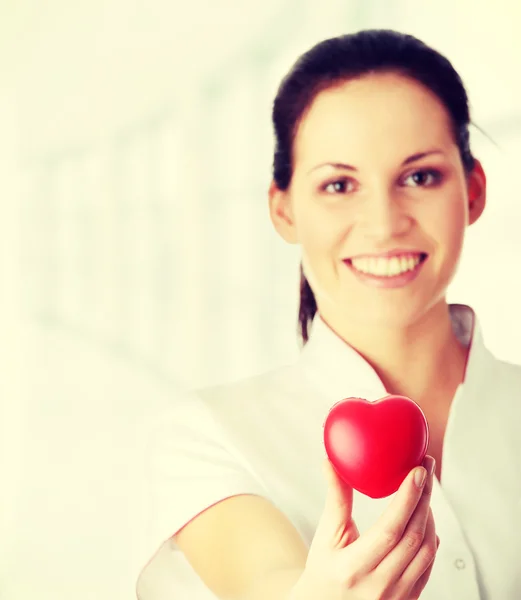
(394, 558)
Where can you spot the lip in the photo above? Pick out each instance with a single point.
(396, 281)
(390, 253)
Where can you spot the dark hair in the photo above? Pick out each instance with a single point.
(345, 57)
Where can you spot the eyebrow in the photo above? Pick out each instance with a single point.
(407, 161)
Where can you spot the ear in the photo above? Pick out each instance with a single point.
(477, 192)
(281, 214)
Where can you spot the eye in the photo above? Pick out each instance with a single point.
(424, 178)
(338, 186)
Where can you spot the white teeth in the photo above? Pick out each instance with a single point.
(386, 267)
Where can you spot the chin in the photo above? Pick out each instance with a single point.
(397, 314)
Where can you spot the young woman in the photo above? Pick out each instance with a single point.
(375, 180)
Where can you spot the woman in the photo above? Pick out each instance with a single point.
(375, 180)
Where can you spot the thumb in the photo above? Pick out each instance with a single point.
(336, 527)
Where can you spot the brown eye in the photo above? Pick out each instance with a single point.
(423, 178)
(339, 186)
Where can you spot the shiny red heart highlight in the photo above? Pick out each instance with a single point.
(374, 445)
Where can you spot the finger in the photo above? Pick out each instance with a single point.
(336, 527)
(396, 562)
(388, 530)
(419, 586)
(423, 558)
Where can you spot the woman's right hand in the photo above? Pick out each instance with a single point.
(392, 560)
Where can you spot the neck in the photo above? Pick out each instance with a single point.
(424, 361)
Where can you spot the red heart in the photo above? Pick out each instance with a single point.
(374, 445)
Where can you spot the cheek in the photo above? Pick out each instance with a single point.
(448, 225)
(321, 233)
(320, 230)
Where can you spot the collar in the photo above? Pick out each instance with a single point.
(338, 371)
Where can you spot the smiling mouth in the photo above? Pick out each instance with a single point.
(386, 267)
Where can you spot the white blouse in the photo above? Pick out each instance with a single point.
(263, 436)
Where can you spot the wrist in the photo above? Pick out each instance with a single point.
(306, 588)
(309, 587)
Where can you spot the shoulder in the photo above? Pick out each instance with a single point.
(499, 388)
(507, 375)
(281, 380)
(241, 402)
(253, 402)
(506, 384)
(511, 369)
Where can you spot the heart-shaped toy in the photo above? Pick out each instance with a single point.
(374, 445)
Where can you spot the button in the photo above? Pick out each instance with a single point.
(459, 563)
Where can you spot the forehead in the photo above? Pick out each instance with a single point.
(380, 114)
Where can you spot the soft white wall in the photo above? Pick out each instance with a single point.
(11, 409)
(83, 69)
(146, 153)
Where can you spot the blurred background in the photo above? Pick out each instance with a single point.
(138, 259)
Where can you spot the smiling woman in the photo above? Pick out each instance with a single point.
(402, 193)
(375, 181)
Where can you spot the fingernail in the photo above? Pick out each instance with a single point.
(429, 463)
(420, 476)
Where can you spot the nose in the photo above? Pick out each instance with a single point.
(383, 217)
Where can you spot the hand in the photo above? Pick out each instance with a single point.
(392, 560)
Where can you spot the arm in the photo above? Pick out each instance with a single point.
(244, 548)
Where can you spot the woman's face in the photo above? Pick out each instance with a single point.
(376, 171)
